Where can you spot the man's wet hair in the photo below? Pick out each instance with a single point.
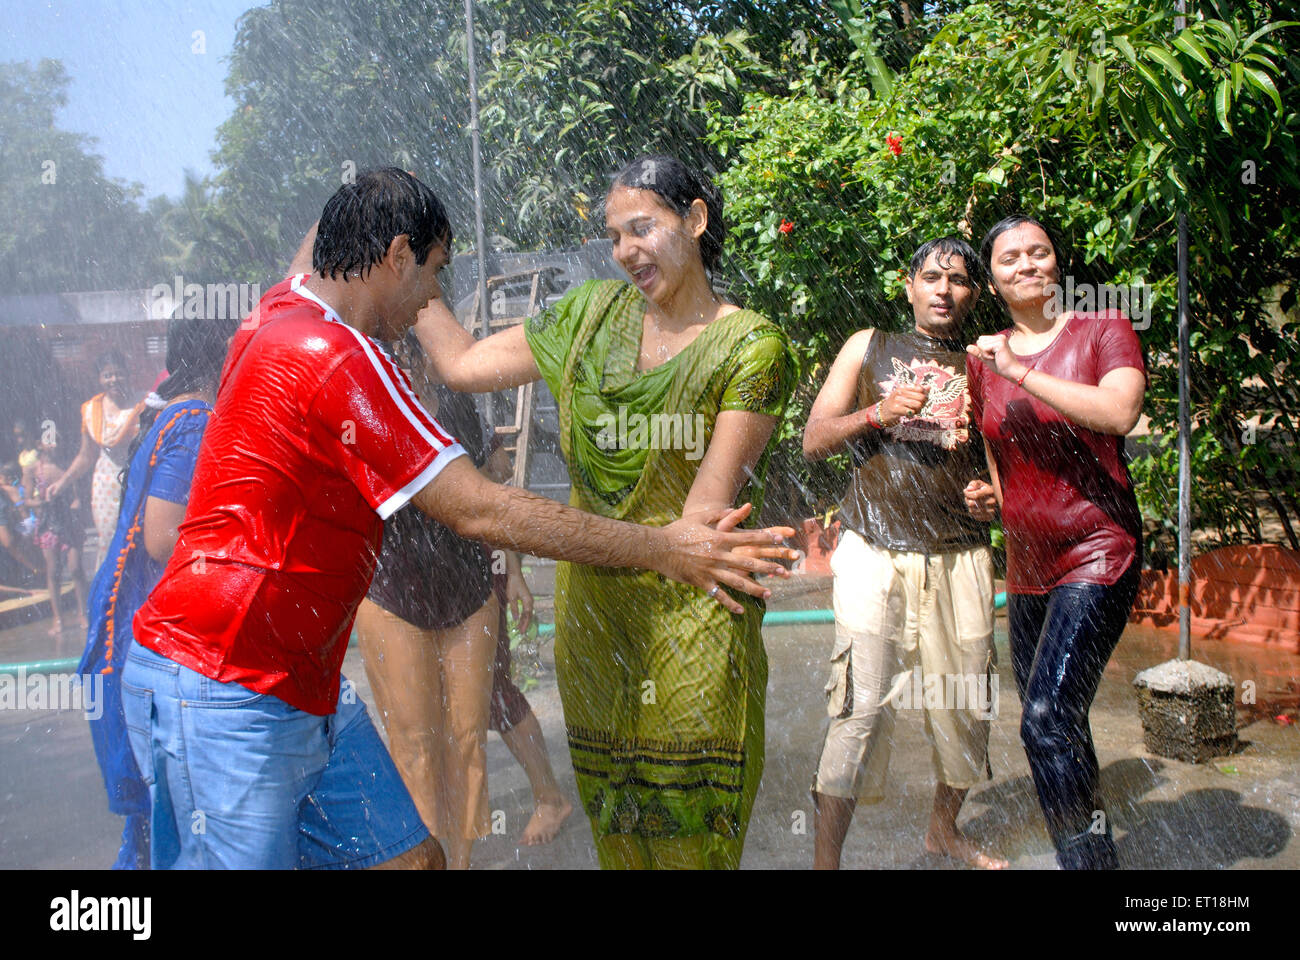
(678, 186)
(362, 218)
(944, 249)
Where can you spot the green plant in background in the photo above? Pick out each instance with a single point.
(1097, 118)
(574, 90)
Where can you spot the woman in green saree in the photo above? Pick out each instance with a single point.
(667, 397)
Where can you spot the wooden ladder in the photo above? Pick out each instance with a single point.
(515, 436)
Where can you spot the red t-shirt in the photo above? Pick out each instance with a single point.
(1068, 506)
(316, 438)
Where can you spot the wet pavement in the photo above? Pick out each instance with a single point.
(1236, 812)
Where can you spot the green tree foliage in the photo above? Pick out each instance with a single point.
(324, 89)
(67, 225)
(575, 90)
(1097, 118)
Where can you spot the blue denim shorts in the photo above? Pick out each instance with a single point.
(245, 781)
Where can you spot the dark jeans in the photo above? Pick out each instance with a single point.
(1060, 642)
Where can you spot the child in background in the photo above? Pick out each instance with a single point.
(57, 531)
(18, 523)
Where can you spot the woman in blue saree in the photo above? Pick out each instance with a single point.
(156, 490)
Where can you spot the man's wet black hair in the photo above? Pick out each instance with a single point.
(1010, 223)
(678, 186)
(362, 218)
(944, 249)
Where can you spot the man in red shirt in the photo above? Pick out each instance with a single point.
(255, 753)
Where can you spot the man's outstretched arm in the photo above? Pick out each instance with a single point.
(687, 551)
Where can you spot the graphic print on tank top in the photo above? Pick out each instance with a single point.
(944, 419)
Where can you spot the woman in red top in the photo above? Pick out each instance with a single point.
(1054, 396)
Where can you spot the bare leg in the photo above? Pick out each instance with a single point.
(405, 674)
(79, 588)
(943, 836)
(427, 856)
(831, 825)
(53, 581)
(552, 807)
(468, 650)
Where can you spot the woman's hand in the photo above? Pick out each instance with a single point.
(519, 600)
(703, 551)
(994, 351)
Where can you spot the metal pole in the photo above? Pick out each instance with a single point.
(479, 242)
(1184, 424)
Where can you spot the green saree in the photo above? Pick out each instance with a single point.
(663, 689)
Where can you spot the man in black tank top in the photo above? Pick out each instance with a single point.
(913, 571)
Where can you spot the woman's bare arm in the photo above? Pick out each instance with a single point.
(82, 462)
(737, 443)
(301, 262)
(1113, 406)
(161, 518)
(474, 366)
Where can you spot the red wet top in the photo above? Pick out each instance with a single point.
(316, 438)
(1068, 506)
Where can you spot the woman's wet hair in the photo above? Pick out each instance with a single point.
(110, 358)
(678, 186)
(196, 352)
(1010, 223)
(362, 218)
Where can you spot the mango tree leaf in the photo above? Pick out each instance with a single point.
(1187, 42)
(1097, 80)
(1167, 60)
(1223, 104)
(1264, 82)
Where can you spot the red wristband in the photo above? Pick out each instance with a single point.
(873, 416)
(1021, 382)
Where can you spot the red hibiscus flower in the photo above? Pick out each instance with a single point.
(895, 144)
(786, 226)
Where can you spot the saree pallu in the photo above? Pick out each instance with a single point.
(663, 688)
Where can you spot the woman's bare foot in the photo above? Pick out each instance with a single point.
(546, 822)
(956, 846)
(57, 629)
